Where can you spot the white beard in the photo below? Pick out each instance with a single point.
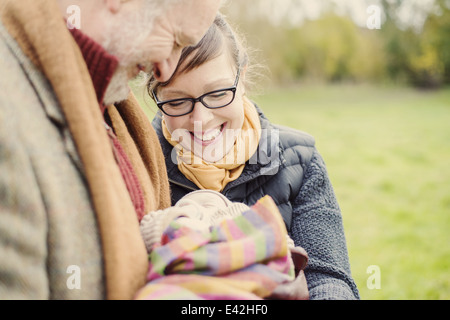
(118, 89)
(125, 44)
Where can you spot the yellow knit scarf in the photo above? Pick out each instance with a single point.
(215, 176)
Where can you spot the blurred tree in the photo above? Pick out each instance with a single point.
(332, 47)
(419, 56)
(436, 43)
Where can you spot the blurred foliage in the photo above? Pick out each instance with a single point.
(333, 48)
(386, 150)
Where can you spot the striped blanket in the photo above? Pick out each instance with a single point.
(246, 257)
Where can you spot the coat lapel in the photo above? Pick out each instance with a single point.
(45, 93)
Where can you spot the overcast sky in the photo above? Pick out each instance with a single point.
(410, 13)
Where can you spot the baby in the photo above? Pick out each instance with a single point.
(204, 210)
(199, 210)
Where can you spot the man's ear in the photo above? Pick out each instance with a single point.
(113, 5)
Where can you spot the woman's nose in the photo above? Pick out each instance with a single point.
(201, 114)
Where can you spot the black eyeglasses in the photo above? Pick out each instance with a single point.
(212, 100)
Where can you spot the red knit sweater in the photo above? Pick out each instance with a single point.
(101, 66)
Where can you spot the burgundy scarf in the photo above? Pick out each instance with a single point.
(101, 66)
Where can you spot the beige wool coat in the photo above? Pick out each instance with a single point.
(68, 229)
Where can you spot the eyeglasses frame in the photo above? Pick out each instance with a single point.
(199, 99)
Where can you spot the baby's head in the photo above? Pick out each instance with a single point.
(207, 199)
(209, 206)
(199, 208)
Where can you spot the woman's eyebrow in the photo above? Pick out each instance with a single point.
(211, 86)
(168, 91)
(218, 84)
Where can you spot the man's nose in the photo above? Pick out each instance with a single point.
(164, 70)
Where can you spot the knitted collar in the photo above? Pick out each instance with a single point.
(101, 64)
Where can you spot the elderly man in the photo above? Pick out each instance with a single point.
(79, 162)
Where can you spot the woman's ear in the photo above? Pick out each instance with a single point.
(242, 76)
(244, 72)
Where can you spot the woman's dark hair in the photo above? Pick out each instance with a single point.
(210, 47)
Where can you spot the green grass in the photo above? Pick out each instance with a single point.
(387, 152)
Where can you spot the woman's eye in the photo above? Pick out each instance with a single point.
(176, 104)
(218, 95)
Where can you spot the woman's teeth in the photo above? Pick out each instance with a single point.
(210, 135)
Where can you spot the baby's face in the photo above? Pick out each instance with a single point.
(201, 205)
(208, 199)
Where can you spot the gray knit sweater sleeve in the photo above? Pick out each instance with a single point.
(317, 227)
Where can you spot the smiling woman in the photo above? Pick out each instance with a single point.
(214, 130)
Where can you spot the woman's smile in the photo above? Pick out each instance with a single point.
(209, 136)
